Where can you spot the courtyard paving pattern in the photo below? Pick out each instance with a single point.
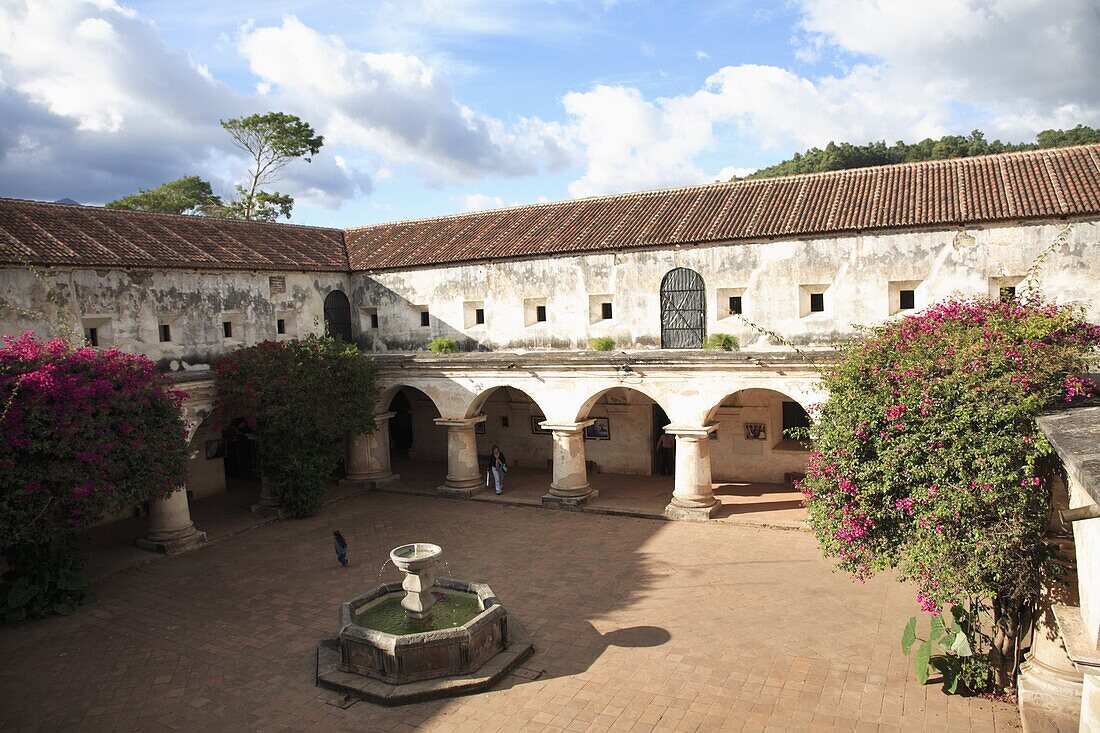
(639, 625)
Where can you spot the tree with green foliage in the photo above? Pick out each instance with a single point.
(271, 141)
(845, 156)
(299, 398)
(187, 195)
(927, 460)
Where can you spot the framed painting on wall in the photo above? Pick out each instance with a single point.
(215, 449)
(599, 430)
(479, 428)
(535, 428)
(756, 431)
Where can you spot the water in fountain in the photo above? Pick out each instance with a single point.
(451, 610)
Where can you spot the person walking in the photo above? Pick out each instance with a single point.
(666, 445)
(341, 547)
(498, 466)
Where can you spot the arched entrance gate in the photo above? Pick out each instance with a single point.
(683, 310)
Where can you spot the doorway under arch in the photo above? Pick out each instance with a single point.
(338, 316)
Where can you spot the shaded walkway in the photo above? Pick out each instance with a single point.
(756, 504)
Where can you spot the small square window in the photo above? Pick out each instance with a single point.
(280, 326)
(540, 313)
(1008, 293)
(606, 311)
(817, 302)
(91, 335)
(504, 421)
(735, 305)
(425, 320)
(165, 333)
(907, 300)
(374, 320)
(227, 329)
(479, 316)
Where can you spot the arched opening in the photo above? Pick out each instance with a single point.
(511, 422)
(338, 316)
(683, 310)
(222, 459)
(418, 447)
(624, 453)
(755, 459)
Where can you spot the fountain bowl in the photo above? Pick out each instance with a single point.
(415, 556)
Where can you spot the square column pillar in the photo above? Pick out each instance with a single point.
(693, 496)
(464, 477)
(368, 454)
(570, 488)
(170, 527)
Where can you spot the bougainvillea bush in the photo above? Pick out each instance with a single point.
(927, 459)
(83, 434)
(298, 398)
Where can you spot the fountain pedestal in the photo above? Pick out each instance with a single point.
(417, 561)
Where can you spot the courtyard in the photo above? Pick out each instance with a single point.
(638, 625)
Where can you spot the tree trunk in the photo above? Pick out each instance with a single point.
(1006, 632)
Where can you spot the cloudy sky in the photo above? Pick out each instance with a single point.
(439, 106)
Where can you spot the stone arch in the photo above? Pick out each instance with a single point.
(654, 395)
(479, 401)
(752, 445)
(439, 401)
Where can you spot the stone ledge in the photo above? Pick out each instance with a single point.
(329, 676)
(568, 503)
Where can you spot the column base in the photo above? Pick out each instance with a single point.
(462, 492)
(266, 510)
(678, 513)
(568, 503)
(1049, 700)
(172, 546)
(370, 480)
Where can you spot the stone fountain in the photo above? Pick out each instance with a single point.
(422, 638)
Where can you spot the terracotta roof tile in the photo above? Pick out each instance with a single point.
(57, 234)
(943, 193)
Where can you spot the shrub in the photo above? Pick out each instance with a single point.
(299, 398)
(442, 345)
(927, 458)
(602, 343)
(722, 342)
(85, 434)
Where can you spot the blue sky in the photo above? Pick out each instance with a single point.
(434, 107)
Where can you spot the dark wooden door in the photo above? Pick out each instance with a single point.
(683, 310)
(338, 316)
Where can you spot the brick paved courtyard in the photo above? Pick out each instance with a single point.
(639, 625)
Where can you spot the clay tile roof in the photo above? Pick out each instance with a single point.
(38, 233)
(1036, 184)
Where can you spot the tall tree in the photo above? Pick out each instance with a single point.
(271, 141)
(187, 195)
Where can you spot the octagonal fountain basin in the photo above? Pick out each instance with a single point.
(467, 626)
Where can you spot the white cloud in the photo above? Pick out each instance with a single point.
(481, 202)
(701, 55)
(390, 104)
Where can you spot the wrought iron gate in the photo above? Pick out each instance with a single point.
(683, 310)
(338, 316)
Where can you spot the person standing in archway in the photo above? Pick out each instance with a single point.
(498, 466)
(666, 456)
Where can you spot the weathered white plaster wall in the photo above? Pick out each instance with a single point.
(856, 273)
(204, 476)
(735, 458)
(127, 307)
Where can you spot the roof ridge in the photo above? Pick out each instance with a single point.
(843, 172)
(167, 215)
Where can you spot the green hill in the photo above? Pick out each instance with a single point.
(846, 155)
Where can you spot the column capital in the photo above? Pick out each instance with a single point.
(698, 432)
(566, 427)
(457, 423)
(383, 416)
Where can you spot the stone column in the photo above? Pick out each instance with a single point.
(693, 496)
(268, 505)
(368, 454)
(569, 488)
(170, 527)
(464, 477)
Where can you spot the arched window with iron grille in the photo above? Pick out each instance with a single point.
(683, 310)
(338, 316)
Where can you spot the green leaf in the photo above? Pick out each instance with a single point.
(920, 664)
(909, 635)
(21, 593)
(951, 677)
(63, 608)
(961, 645)
(938, 630)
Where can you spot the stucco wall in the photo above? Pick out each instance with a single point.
(204, 476)
(859, 275)
(733, 457)
(127, 308)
